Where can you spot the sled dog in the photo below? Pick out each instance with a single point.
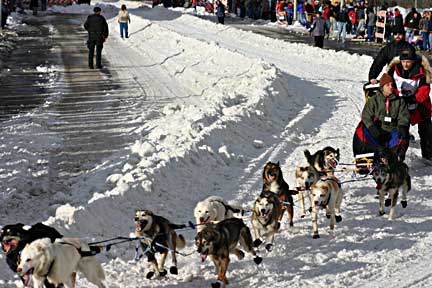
(265, 219)
(221, 239)
(161, 235)
(324, 161)
(213, 209)
(15, 237)
(392, 178)
(57, 262)
(326, 193)
(273, 181)
(306, 175)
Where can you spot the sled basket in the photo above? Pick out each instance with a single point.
(364, 163)
(370, 90)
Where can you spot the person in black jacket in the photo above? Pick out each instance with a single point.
(387, 53)
(97, 28)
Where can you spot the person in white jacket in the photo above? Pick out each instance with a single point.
(123, 20)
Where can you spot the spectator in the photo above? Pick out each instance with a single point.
(425, 24)
(370, 24)
(4, 14)
(352, 15)
(397, 24)
(97, 28)
(124, 20)
(220, 12)
(343, 19)
(318, 30)
(409, 25)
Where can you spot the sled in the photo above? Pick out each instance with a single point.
(364, 163)
(370, 90)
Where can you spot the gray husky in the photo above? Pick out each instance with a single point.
(390, 178)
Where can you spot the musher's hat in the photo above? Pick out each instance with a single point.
(97, 9)
(385, 78)
(409, 54)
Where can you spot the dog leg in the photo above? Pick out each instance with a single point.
(247, 243)
(302, 205)
(162, 271)
(332, 217)
(404, 202)
(394, 197)
(381, 202)
(290, 210)
(315, 223)
(223, 268)
(240, 254)
(173, 269)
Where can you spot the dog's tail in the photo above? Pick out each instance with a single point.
(180, 241)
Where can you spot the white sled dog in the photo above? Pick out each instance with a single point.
(326, 193)
(57, 262)
(214, 209)
(306, 175)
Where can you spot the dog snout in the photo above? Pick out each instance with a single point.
(316, 203)
(19, 269)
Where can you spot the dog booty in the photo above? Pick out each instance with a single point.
(269, 247)
(387, 202)
(404, 204)
(257, 260)
(173, 270)
(257, 242)
(163, 273)
(217, 284)
(315, 236)
(338, 218)
(150, 275)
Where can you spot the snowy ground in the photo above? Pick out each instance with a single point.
(234, 100)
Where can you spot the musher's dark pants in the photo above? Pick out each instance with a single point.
(92, 44)
(425, 133)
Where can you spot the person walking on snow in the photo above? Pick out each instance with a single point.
(124, 20)
(318, 30)
(97, 28)
(220, 12)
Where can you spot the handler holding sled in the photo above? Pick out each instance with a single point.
(384, 123)
(412, 74)
(387, 53)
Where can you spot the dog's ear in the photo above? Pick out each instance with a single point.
(278, 163)
(338, 154)
(308, 156)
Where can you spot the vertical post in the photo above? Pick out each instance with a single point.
(415, 4)
(1, 15)
(295, 10)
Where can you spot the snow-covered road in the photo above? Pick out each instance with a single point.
(210, 105)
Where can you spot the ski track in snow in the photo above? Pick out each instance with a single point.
(302, 98)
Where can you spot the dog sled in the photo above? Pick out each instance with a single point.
(364, 163)
(370, 90)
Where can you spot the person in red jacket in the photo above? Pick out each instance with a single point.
(412, 77)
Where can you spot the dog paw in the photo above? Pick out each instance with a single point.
(291, 224)
(241, 255)
(338, 218)
(404, 204)
(302, 216)
(257, 242)
(310, 209)
(381, 213)
(257, 260)
(269, 247)
(315, 236)
(216, 285)
(163, 273)
(150, 275)
(387, 202)
(328, 216)
(174, 270)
